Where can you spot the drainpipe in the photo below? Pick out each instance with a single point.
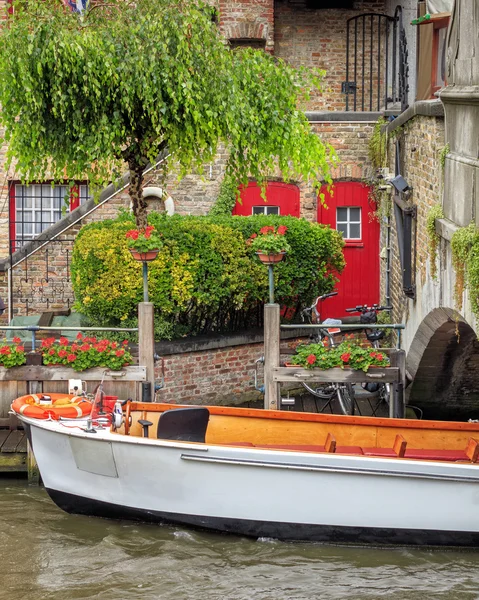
(388, 261)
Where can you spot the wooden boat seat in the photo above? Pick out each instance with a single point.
(397, 451)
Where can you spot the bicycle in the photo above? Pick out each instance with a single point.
(344, 392)
(368, 315)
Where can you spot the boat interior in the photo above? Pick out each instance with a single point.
(304, 432)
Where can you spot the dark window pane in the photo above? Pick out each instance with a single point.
(342, 214)
(258, 210)
(355, 215)
(272, 210)
(343, 229)
(354, 231)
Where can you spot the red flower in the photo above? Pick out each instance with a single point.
(62, 353)
(266, 230)
(16, 340)
(4, 350)
(379, 356)
(63, 341)
(85, 347)
(253, 235)
(47, 342)
(125, 342)
(79, 335)
(51, 352)
(71, 357)
(373, 354)
(282, 229)
(74, 347)
(326, 342)
(345, 357)
(120, 352)
(133, 234)
(19, 348)
(311, 359)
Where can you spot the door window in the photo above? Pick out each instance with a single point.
(266, 210)
(348, 222)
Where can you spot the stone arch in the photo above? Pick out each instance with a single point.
(247, 30)
(443, 361)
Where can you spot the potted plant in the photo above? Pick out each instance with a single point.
(86, 353)
(144, 244)
(270, 244)
(12, 355)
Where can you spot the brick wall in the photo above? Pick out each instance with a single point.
(317, 39)
(422, 140)
(223, 375)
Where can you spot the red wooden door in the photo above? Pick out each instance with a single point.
(282, 199)
(348, 210)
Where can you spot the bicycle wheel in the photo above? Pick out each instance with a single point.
(325, 392)
(346, 398)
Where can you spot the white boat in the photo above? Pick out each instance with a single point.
(285, 475)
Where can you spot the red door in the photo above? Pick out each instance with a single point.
(282, 199)
(349, 211)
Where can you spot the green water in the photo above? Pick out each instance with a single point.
(46, 554)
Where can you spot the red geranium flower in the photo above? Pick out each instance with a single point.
(51, 352)
(311, 359)
(79, 335)
(71, 357)
(63, 341)
(20, 348)
(282, 229)
(267, 229)
(345, 357)
(16, 340)
(125, 342)
(120, 352)
(62, 353)
(4, 350)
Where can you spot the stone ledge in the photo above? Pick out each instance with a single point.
(342, 116)
(216, 342)
(426, 108)
(446, 228)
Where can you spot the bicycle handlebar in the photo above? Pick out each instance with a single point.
(365, 308)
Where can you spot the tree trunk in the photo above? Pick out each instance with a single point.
(136, 194)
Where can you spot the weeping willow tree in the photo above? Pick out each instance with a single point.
(83, 94)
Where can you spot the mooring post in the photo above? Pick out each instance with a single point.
(146, 346)
(397, 402)
(271, 355)
(33, 473)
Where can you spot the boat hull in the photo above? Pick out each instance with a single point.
(257, 492)
(293, 532)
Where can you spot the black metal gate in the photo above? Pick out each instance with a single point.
(376, 63)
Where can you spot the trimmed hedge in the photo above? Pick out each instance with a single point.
(205, 278)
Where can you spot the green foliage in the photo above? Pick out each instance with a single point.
(436, 212)
(442, 155)
(377, 146)
(465, 260)
(348, 354)
(86, 353)
(269, 240)
(205, 278)
(82, 96)
(12, 355)
(226, 200)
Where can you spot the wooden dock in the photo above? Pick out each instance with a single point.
(13, 451)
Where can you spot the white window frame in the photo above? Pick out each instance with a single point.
(264, 208)
(348, 222)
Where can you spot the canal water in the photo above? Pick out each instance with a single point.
(46, 554)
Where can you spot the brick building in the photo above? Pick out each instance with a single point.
(377, 63)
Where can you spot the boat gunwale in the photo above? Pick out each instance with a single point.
(313, 417)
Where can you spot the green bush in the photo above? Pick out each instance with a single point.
(205, 278)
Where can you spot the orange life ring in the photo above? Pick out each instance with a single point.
(62, 405)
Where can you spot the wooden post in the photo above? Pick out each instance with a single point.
(271, 355)
(34, 387)
(146, 342)
(397, 404)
